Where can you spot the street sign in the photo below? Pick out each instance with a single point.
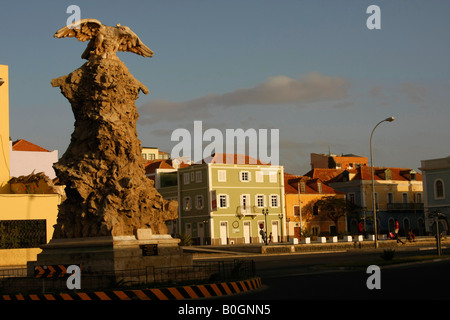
(51, 271)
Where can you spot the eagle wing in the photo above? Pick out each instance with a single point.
(83, 30)
(131, 42)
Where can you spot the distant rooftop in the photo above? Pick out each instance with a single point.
(24, 145)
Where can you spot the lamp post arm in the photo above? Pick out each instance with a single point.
(390, 119)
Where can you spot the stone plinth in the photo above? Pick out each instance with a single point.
(113, 254)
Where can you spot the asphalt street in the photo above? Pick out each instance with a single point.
(332, 276)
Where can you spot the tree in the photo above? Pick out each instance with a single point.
(335, 208)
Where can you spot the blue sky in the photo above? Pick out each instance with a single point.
(331, 78)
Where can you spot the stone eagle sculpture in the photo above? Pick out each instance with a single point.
(105, 41)
(103, 171)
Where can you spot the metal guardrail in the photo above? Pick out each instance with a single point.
(405, 206)
(17, 280)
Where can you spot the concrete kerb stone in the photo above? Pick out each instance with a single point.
(289, 248)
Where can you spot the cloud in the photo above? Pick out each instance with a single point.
(415, 94)
(376, 92)
(278, 90)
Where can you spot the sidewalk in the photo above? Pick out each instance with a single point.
(222, 251)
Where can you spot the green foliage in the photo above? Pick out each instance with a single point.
(334, 208)
(341, 234)
(306, 233)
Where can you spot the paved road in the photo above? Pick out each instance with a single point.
(309, 277)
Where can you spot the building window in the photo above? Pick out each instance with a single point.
(302, 187)
(296, 211)
(315, 210)
(419, 198)
(186, 178)
(390, 197)
(259, 176)
(245, 201)
(199, 202)
(388, 174)
(260, 201)
(439, 189)
(244, 176)
(187, 203)
(192, 176)
(222, 175)
(273, 176)
(274, 203)
(405, 197)
(351, 198)
(198, 176)
(223, 201)
(188, 229)
(315, 231)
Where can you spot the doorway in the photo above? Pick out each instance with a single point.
(223, 232)
(247, 232)
(274, 231)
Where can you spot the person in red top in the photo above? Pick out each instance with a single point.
(360, 227)
(396, 232)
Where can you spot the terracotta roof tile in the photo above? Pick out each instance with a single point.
(324, 174)
(152, 165)
(311, 185)
(365, 173)
(24, 145)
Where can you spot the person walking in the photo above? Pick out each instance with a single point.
(397, 228)
(360, 227)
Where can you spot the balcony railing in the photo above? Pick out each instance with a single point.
(405, 206)
(243, 211)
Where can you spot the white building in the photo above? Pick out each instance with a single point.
(26, 157)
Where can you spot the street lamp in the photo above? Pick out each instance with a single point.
(280, 216)
(390, 119)
(265, 212)
(288, 229)
(438, 215)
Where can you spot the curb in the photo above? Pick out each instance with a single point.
(174, 293)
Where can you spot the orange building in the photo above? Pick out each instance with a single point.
(305, 218)
(332, 161)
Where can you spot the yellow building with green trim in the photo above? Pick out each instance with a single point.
(222, 203)
(26, 219)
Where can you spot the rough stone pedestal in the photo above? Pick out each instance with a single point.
(110, 254)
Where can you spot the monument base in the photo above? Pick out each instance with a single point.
(114, 254)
